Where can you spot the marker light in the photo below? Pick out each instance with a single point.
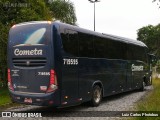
(10, 80)
(49, 22)
(13, 26)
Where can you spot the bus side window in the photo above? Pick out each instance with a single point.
(130, 52)
(138, 53)
(100, 46)
(117, 50)
(70, 42)
(85, 45)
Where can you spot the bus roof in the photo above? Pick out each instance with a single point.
(114, 37)
(32, 22)
(76, 28)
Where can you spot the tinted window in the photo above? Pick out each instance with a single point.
(100, 45)
(130, 51)
(123, 50)
(139, 53)
(136, 52)
(108, 48)
(30, 34)
(85, 45)
(117, 49)
(111, 48)
(70, 42)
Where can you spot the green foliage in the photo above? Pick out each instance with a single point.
(4, 95)
(5, 100)
(150, 35)
(16, 11)
(64, 11)
(157, 1)
(13, 12)
(3, 52)
(150, 102)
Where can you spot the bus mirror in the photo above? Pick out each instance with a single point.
(152, 58)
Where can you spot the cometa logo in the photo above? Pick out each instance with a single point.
(137, 68)
(18, 52)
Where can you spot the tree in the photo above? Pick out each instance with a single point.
(63, 10)
(16, 11)
(158, 1)
(150, 35)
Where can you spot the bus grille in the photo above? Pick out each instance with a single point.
(29, 62)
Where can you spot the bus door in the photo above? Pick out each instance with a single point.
(70, 83)
(137, 73)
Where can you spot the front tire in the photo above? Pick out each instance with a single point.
(96, 96)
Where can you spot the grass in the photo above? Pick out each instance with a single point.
(5, 100)
(4, 96)
(151, 102)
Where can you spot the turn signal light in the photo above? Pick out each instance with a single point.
(10, 86)
(53, 82)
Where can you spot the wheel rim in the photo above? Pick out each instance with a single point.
(97, 95)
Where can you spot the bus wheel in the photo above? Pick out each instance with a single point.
(96, 96)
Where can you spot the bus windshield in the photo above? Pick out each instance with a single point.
(30, 34)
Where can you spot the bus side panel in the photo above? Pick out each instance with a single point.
(137, 74)
(111, 73)
(68, 72)
(57, 59)
(87, 72)
(70, 82)
(129, 76)
(115, 76)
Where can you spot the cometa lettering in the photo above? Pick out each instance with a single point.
(18, 52)
(137, 68)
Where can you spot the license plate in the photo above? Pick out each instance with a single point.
(28, 100)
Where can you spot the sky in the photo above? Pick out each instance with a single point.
(117, 17)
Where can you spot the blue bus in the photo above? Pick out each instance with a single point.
(56, 64)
